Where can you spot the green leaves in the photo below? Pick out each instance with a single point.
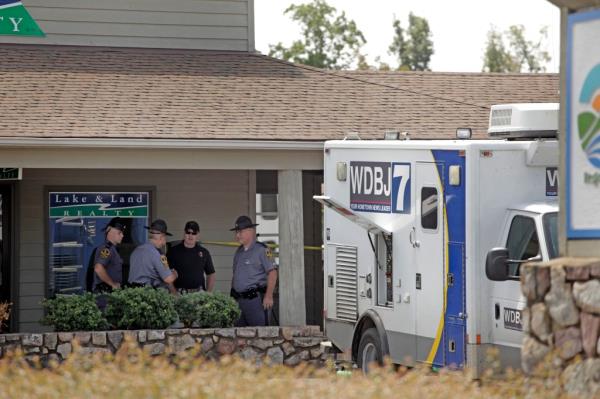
(520, 55)
(141, 308)
(207, 310)
(74, 313)
(413, 52)
(330, 40)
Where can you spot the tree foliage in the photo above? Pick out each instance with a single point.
(330, 40)
(413, 48)
(512, 52)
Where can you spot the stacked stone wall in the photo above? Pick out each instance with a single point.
(562, 322)
(272, 345)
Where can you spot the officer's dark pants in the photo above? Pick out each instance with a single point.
(253, 313)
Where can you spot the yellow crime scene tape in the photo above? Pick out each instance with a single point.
(237, 244)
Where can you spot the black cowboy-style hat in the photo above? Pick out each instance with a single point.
(158, 226)
(116, 223)
(243, 222)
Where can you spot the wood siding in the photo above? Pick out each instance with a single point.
(187, 24)
(214, 198)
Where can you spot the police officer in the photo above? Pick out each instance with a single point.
(149, 265)
(254, 275)
(192, 262)
(108, 265)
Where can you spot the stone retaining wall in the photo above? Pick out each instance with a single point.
(274, 345)
(562, 321)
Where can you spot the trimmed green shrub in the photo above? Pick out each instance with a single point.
(188, 306)
(140, 308)
(207, 310)
(74, 313)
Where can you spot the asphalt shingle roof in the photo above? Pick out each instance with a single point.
(98, 92)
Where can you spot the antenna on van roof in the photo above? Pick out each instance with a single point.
(352, 136)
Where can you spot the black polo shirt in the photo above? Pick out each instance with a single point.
(191, 265)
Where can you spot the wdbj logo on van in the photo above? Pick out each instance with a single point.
(382, 187)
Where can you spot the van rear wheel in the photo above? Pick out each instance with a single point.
(369, 350)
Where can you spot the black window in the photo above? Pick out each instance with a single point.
(551, 231)
(522, 242)
(429, 208)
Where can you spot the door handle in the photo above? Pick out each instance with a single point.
(412, 237)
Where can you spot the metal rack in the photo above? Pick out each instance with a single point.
(66, 256)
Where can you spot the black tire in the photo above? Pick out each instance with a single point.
(369, 350)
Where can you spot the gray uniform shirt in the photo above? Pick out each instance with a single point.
(149, 266)
(107, 256)
(251, 266)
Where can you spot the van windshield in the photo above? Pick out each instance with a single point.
(550, 222)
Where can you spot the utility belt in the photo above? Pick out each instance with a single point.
(137, 285)
(248, 294)
(102, 288)
(184, 291)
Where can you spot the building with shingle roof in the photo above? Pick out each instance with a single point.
(201, 125)
(210, 95)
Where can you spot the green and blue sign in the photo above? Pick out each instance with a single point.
(582, 186)
(77, 225)
(15, 20)
(588, 121)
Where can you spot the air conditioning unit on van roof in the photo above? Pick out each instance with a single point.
(524, 121)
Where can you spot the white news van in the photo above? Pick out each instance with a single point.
(408, 226)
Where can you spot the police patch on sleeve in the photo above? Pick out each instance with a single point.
(104, 253)
(164, 261)
(269, 253)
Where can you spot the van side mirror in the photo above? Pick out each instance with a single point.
(496, 264)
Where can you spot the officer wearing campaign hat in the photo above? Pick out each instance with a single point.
(254, 275)
(108, 264)
(149, 265)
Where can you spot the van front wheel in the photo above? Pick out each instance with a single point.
(369, 350)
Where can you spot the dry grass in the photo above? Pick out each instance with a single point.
(132, 373)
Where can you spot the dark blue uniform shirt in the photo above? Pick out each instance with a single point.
(107, 256)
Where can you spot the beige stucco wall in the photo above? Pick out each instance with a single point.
(116, 155)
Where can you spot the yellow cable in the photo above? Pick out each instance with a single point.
(237, 244)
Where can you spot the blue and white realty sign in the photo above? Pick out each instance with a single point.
(382, 187)
(583, 126)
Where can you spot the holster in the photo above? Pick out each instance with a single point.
(102, 288)
(248, 294)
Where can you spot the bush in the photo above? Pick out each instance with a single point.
(4, 313)
(140, 308)
(74, 313)
(207, 310)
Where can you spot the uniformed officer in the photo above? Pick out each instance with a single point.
(108, 265)
(254, 275)
(192, 262)
(149, 265)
